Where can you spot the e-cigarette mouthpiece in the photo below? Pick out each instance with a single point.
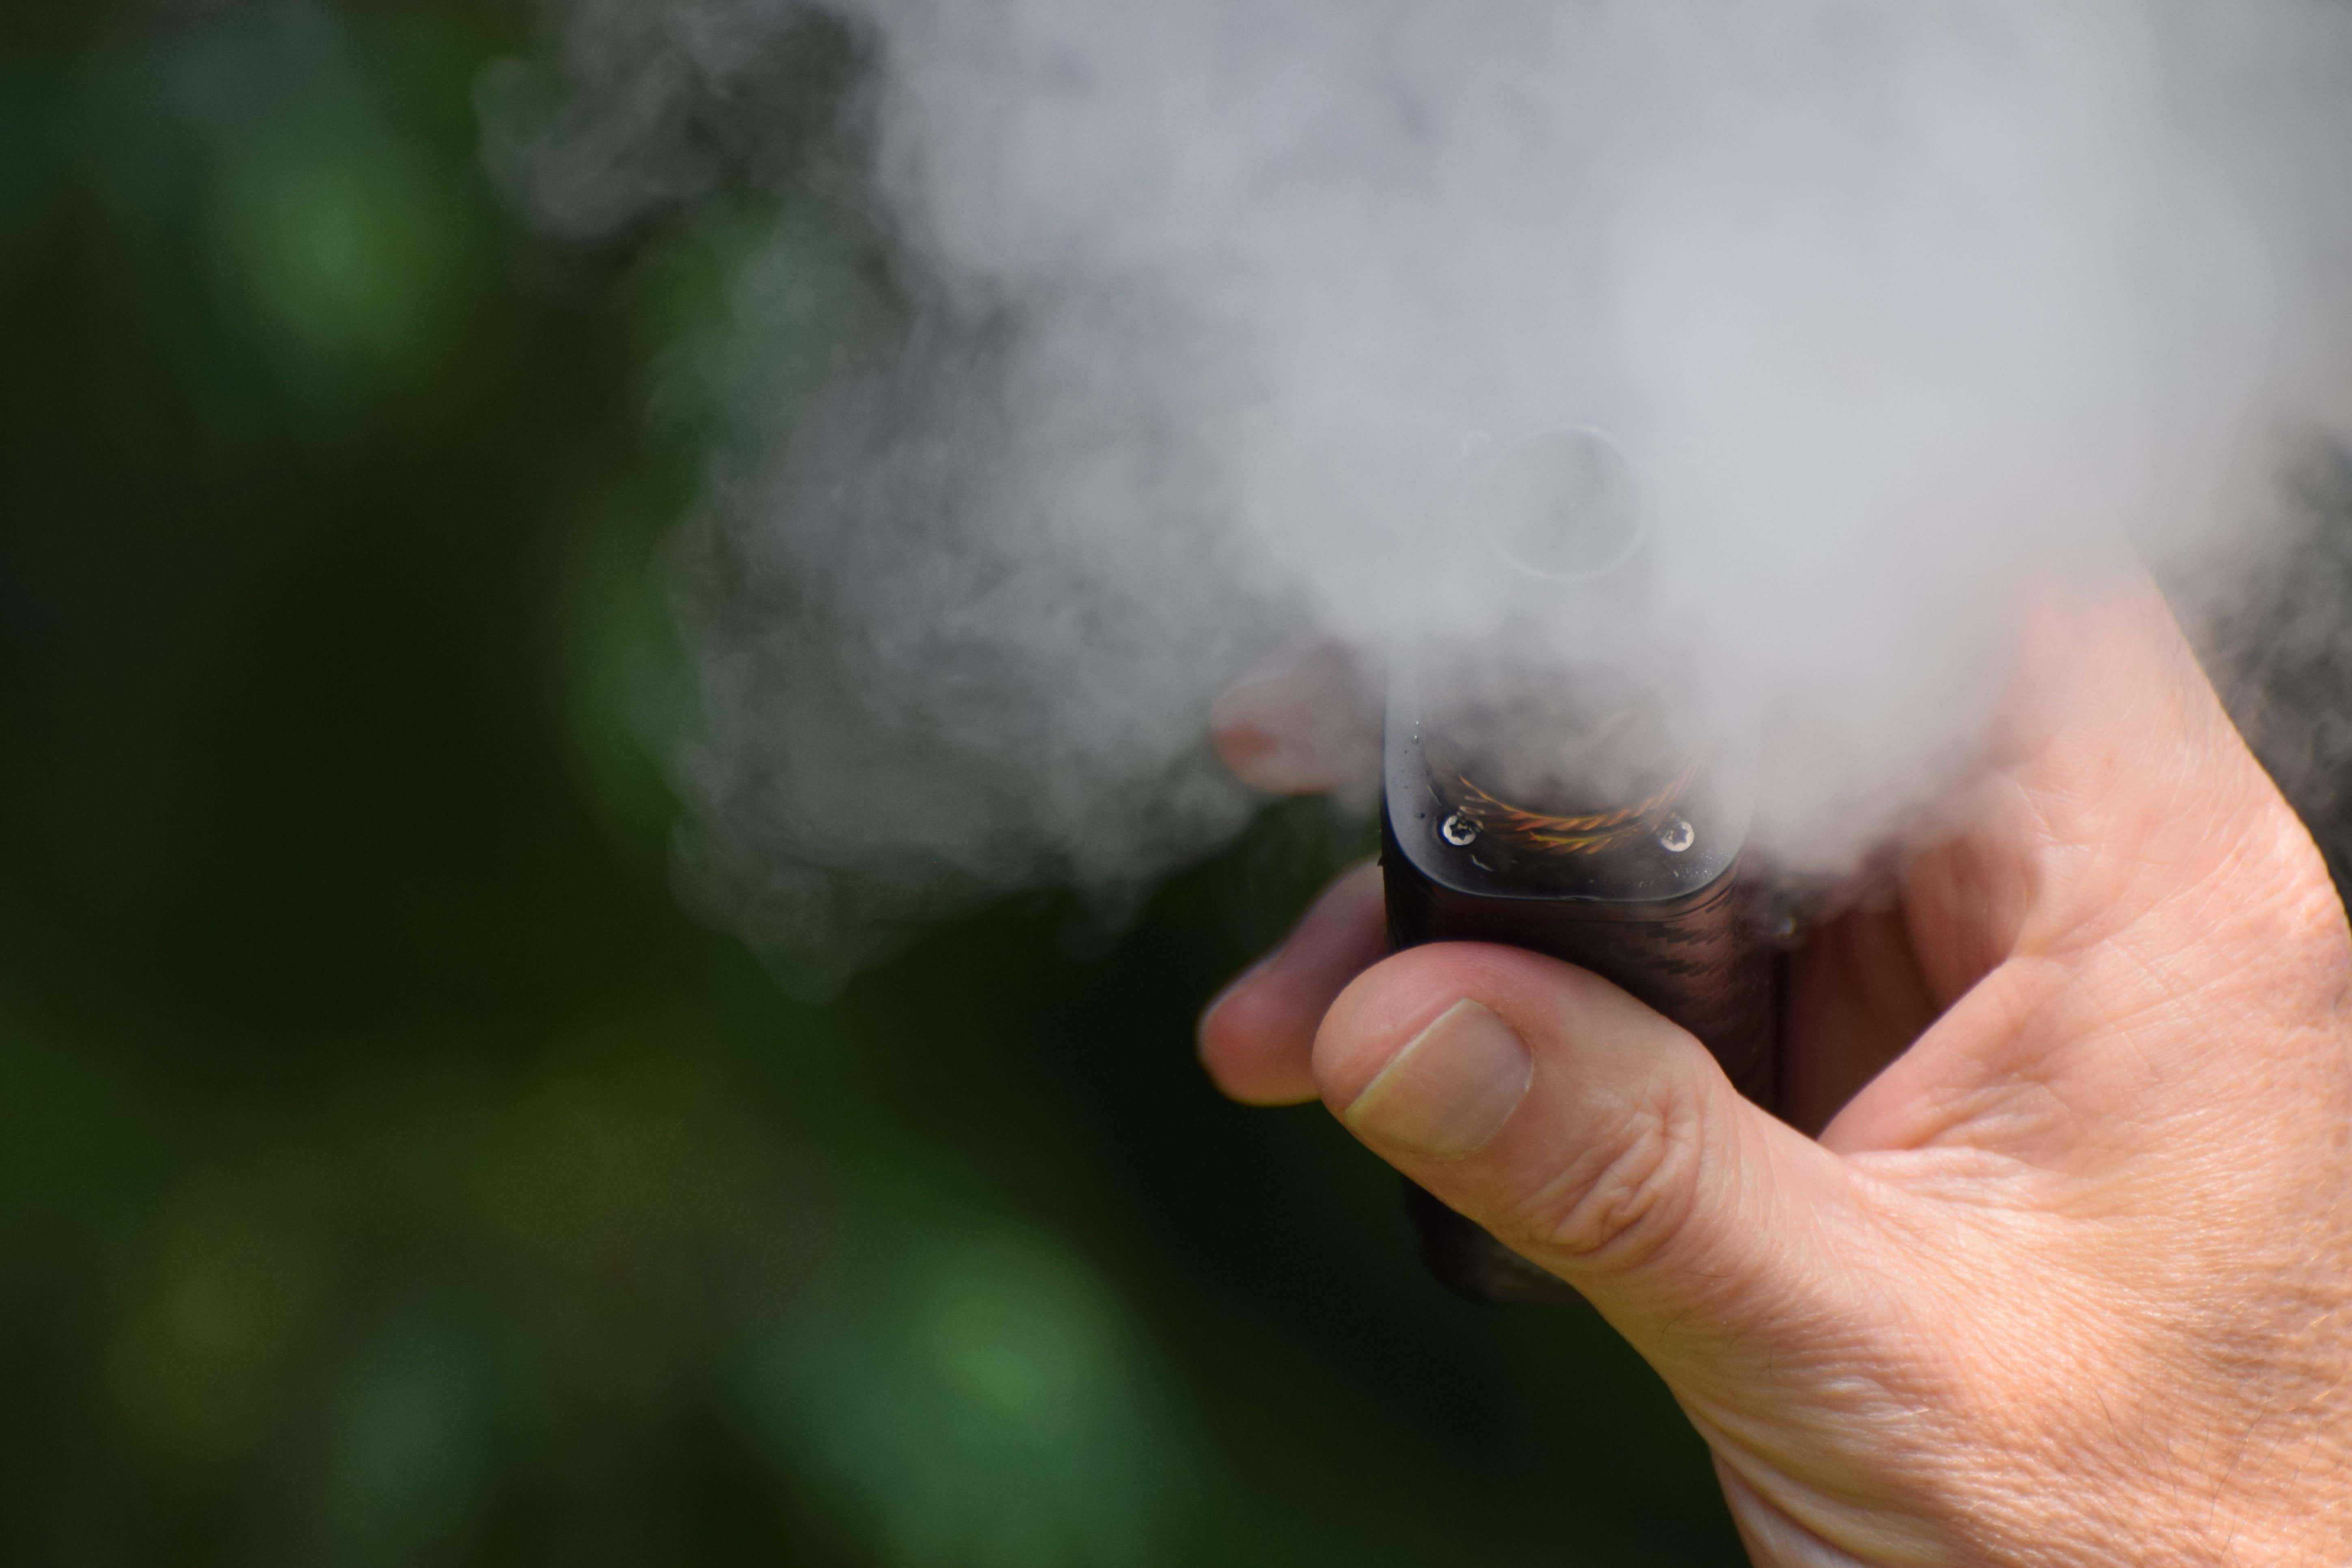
(1565, 507)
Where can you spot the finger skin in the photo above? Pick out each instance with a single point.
(1771, 1537)
(1631, 1167)
(2069, 1280)
(1304, 721)
(1257, 1038)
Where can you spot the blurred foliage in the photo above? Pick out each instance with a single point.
(390, 1172)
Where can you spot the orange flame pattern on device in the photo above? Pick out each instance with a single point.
(1569, 835)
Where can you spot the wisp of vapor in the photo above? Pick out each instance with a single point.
(1203, 313)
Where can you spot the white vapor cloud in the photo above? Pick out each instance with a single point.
(1209, 311)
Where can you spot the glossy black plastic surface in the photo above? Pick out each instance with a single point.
(1680, 930)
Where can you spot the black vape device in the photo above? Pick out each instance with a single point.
(1637, 873)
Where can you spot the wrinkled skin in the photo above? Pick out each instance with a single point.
(2065, 1275)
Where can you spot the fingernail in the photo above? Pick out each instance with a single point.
(1446, 1096)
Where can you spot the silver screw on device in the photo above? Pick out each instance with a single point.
(1459, 831)
(1676, 837)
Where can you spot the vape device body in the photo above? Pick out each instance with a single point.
(1644, 882)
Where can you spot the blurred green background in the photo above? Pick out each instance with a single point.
(390, 1171)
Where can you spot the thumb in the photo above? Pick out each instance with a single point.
(1592, 1136)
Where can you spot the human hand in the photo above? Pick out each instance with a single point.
(2066, 1276)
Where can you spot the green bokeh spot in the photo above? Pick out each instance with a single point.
(989, 1403)
(344, 258)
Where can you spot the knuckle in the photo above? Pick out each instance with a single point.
(2314, 921)
(1627, 1199)
(2296, 927)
